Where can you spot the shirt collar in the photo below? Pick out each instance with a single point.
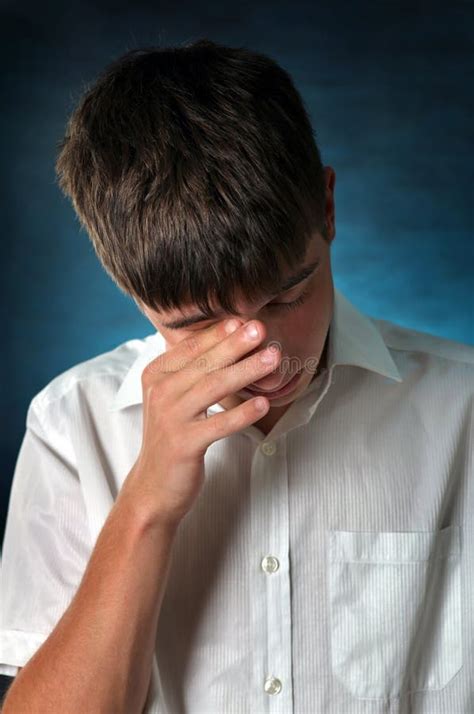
(353, 340)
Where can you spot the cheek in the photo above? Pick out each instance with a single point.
(306, 330)
(293, 336)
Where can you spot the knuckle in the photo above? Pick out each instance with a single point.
(156, 393)
(192, 345)
(201, 364)
(211, 379)
(152, 368)
(228, 422)
(236, 419)
(218, 424)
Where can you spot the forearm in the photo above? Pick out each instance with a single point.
(98, 658)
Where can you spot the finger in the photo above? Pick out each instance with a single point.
(230, 421)
(232, 348)
(186, 351)
(219, 383)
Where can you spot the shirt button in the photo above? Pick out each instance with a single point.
(272, 685)
(270, 564)
(268, 447)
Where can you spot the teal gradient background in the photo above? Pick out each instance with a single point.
(389, 89)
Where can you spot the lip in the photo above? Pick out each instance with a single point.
(278, 392)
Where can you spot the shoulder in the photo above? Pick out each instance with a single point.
(95, 380)
(406, 339)
(429, 359)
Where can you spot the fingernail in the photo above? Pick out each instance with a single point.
(251, 330)
(231, 326)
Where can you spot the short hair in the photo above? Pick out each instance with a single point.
(195, 173)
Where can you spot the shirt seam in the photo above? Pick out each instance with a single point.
(43, 402)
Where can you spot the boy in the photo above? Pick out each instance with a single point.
(171, 548)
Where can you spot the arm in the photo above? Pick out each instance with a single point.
(5, 682)
(98, 658)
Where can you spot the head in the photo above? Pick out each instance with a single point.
(297, 319)
(196, 174)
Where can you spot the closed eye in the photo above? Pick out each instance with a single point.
(290, 305)
(279, 306)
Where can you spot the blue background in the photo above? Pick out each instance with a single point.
(389, 89)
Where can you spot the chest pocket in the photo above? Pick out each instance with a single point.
(395, 610)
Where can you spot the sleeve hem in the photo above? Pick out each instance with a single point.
(17, 647)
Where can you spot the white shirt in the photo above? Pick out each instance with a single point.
(327, 567)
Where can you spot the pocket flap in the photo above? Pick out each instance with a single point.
(395, 546)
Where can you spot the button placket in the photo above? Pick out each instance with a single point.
(272, 611)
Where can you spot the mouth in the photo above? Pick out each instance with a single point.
(282, 391)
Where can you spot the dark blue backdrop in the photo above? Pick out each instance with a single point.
(389, 88)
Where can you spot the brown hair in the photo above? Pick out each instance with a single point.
(195, 172)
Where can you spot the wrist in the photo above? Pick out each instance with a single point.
(143, 515)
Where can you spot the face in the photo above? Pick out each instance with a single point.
(300, 329)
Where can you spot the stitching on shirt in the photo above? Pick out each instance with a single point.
(43, 402)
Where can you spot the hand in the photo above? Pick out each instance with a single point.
(178, 387)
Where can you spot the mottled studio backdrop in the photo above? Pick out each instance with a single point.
(389, 86)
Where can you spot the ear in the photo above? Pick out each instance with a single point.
(330, 204)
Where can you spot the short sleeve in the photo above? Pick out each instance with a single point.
(47, 541)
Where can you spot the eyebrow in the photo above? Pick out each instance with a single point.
(291, 282)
